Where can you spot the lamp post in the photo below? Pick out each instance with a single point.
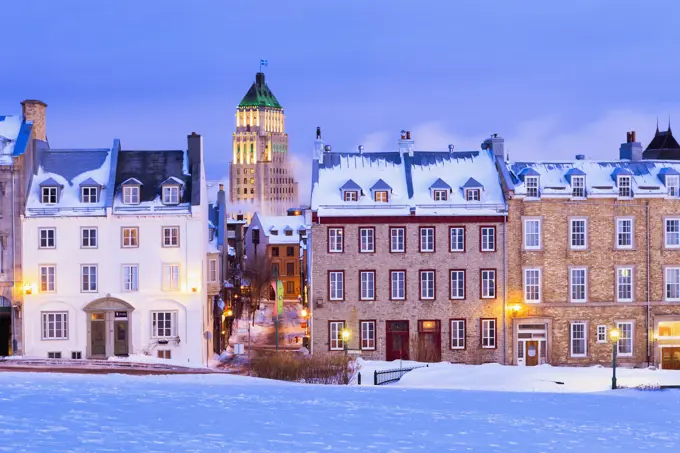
(345, 338)
(614, 335)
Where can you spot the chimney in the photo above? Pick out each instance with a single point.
(327, 156)
(222, 215)
(632, 149)
(580, 157)
(34, 110)
(259, 79)
(361, 149)
(406, 143)
(195, 155)
(495, 144)
(450, 149)
(318, 145)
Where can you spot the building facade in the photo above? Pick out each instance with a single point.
(115, 245)
(261, 177)
(407, 254)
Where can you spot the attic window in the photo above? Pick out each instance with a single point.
(624, 184)
(531, 183)
(351, 195)
(289, 232)
(88, 195)
(130, 194)
(440, 195)
(673, 185)
(274, 232)
(578, 186)
(380, 196)
(170, 194)
(49, 195)
(472, 195)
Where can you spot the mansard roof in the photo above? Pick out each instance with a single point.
(259, 95)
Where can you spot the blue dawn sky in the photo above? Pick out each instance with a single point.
(555, 78)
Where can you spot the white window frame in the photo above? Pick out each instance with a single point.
(620, 221)
(89, 195)
(538, 233)
(620, 283)
(367, 282)
(488, 238)
(336, 285)
(532, 285)
(131, 195)
(397, 285)
(582, 337)
(86, 278)
(574, 234)
(667, 283)
(488, 327)
(130, 273)
(92, 240)
(170, 236)
(170, 277)
(336, 240)
(440, 195)
(457, 341)
(602, 333)
(164, 316)
(671, 238)
(625, 189)
(47, 238)
(366, 240)
(398, 247)
(488, 275)
(578, 187)
(350, 195)
(427, 239)
(170, 194)
(457, 291)
(60, 325)
(573, 284)
(129, 239)
(367, 340)
(673, 185)
(336, 342)
(473, 195)
(49, 193)
(427, 284)
(455, 234)
(619, 326)
(212, 270)
(47, 286)
(532, 185)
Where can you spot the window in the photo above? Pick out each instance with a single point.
(624, 284)
(397, 240)
(49, 195)
(366, 240)
(88, 194)
(130, 194)
(380, 196)
(440, 195)
(290, 287)
(163, 324)
(275, 251)
(47, 279)
(672, 233)
(532, 234)
(488, 239)
(170, 194)
(55, 326)
(578, 339)
(130, 277)
(290, 269)
(458, 284)
(335, 342)
(170, 277)
(457, 239)
(458, 334)
(673, 283)
(88, 238)
(368, 335)
(488, 333)
(48, 238)
(578, 186)
(601, 334)
(426, 285)
(290, 251)
(351, 195)
(623, 182)
(164, 354)
(578, 284)
(171, 236)
(88, 278)
(673, 185)
(624, 233)
(472, 195)
(427, 239)
(398, 285)
(212, 270)
(532, 285)
(488, 282)
(531, 183)
(577, 233)
(130, 237)
(367, 285)
(625, 343)
(336, 285)
(335, 240)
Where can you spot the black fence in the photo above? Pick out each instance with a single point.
(387, 376)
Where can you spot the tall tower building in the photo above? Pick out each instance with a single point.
(261, 175)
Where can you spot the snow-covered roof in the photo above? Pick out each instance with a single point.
(131, 181)
(14, 136)
(647, 177)
(410, 176)
(281, 225)
(174, 181)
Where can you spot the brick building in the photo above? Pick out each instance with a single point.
(407, 254)
(594, 246)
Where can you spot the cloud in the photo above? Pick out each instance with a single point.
(302, 172)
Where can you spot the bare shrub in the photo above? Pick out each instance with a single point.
(332, 369)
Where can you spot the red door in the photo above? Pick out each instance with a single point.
(397, 340)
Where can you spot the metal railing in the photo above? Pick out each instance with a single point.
(386, 376)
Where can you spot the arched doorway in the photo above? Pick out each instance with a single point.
(108, 328)
(5, 326)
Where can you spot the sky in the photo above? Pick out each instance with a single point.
(554, 78)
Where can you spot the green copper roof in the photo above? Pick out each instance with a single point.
(259, 95)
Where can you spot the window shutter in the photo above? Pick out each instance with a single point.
(174, 323)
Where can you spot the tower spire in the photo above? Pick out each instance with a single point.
(669, 125)
(657, 125)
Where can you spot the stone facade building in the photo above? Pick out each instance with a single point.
(407, 254)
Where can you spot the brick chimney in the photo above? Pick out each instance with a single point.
(34, 110)
(632, 149)
(406, 143)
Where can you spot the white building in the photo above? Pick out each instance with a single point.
(115, 255)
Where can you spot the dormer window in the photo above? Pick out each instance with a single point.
(673, 185)
(578, 186)
(89, 195)
(472, 195)
(440, 195)
(49, 195)
(130, 194)
(351, 195)
(531, 183)
(624, 184)
(170, 194)
(380, 196)
(274, 232)
(289, 232)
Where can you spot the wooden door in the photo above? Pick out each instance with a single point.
(397, 341)
(531, 354)
(120, 342)
(670, 358)
(98, 335)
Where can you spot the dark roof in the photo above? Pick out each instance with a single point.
(350, 185)
(472, 182)
(50, 182)
(90, 182)
(259, 95)
(151, 168)
(381, 185)
(440, 184)
(663, 146)
(71, 163)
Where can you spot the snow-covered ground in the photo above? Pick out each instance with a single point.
(196, 413)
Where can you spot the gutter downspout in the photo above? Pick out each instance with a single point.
(649, 307)
(13, 312)
(505, 287)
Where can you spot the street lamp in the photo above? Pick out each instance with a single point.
(304, 313)
(614, 335)
(345, 338)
